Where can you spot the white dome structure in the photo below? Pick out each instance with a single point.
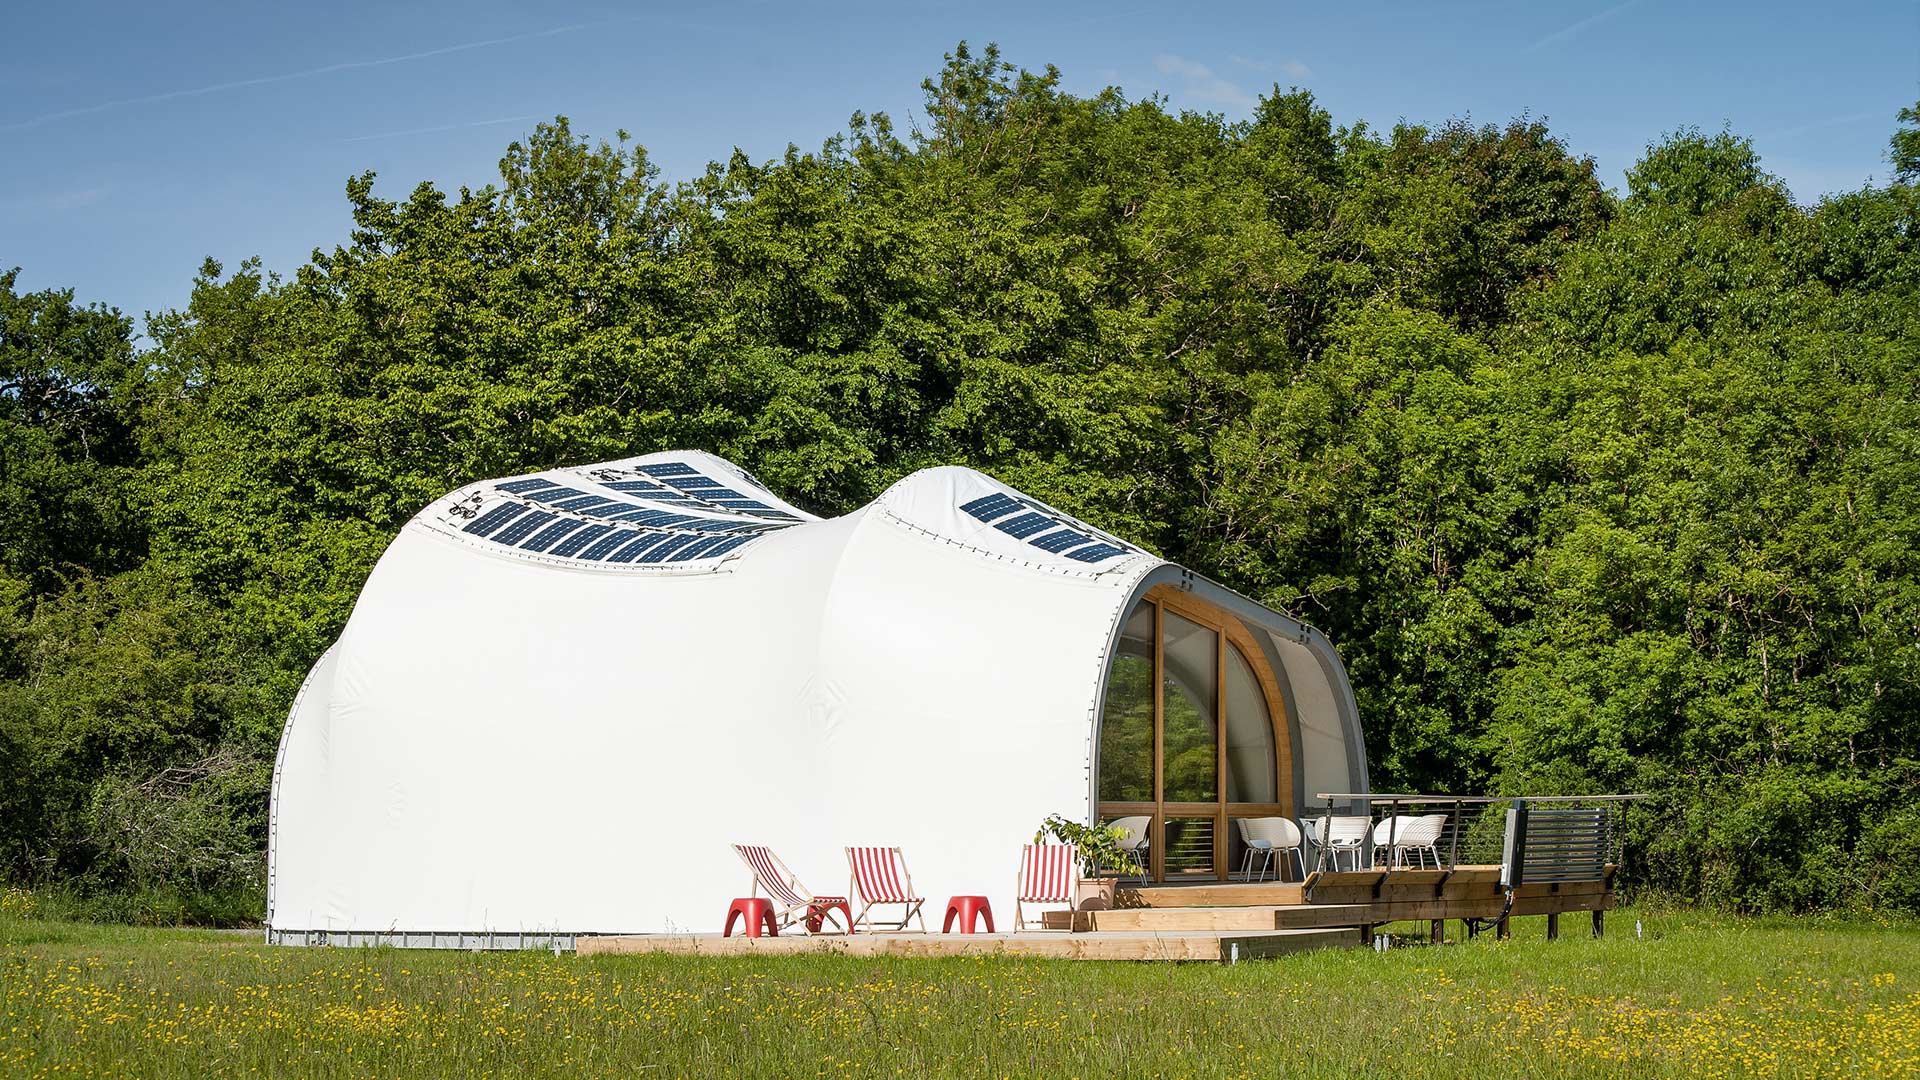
(562, 696)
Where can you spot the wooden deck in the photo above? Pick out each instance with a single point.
(1210, 922)
(1102, 945)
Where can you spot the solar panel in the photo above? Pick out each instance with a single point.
(728, 544)
(645, 541)
(580, 539)
(1057, 542)
(660, 551)
(635, 485)
(1097, 553)
(668, 468)
(988, 507)
(740, 504)
(544, 539)
(604, 546)
(588, 504)
(531, 483)
(698, 483)
(554, 494)
(698, 549)
(642, 515)
(718, 526)
(494, 518)
(1026, 525)
(520, 529)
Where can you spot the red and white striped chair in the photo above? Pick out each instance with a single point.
(880, 877)
(1048, 873)
(791, 899)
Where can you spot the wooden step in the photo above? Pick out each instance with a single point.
(1227, 919)
(1215, 894)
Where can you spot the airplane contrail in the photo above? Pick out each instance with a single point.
(350, 65)
(1569, 31)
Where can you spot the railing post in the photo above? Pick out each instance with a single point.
(1453, 847)
(1393, 830)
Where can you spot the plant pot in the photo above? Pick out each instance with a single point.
(1095, 894)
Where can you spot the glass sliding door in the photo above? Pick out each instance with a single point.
(1189, 737)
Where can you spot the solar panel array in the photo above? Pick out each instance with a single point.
(1045, 528)
(637, 518)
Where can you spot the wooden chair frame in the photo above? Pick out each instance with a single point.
(907, 900)
(1020, 890)
(793, 901)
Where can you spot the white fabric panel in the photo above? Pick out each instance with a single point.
(1323, 744)
(300, 812)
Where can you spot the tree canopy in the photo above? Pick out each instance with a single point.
(1592, 490)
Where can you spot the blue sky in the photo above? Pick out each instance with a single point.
(140, 140)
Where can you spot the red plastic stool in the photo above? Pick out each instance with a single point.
(817, 912)
(967, 908)
(758, 911)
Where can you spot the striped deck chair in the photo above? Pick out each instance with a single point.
(791, 899)
(1047, 874)
(880, 877)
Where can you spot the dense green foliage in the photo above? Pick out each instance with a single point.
(1593, 491)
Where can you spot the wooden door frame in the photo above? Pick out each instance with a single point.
(1230, 629)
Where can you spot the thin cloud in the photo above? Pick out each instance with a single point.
(1294, 69)
(1568, 33)
(350, 65)
(442, 127)
(1202, 83)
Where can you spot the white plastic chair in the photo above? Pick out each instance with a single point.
(1402, 835)
(1134, 836)
(1344, 834)
(1264, 837)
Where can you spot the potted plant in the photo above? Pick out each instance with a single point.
(1099, 849)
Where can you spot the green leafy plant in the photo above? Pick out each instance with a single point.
(1098, 845)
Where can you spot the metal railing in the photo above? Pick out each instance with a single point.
(1473, 830)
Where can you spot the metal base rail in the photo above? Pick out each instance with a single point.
(465, 940)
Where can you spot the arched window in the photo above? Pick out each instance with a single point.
(1188, 736)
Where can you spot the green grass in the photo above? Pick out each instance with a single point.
(1698, 997)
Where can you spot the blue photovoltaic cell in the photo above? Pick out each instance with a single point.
(1026, 525)
(544, 539)
(588, 504)
(532, 483)
(520, 529)
(780, 514)
(580, 539)
(1060, 541)
(716, 526)
(698, 549)
(494, 518)
(695, 482)
(668, 468)
(728, 544)
(638, 515)
(988, 507)
(635, 485)
(740, 504)
(604, 546)
(660, 551)
(646, 540)
(554, 494)
(1097, 553)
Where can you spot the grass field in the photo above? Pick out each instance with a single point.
(1697, 997)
